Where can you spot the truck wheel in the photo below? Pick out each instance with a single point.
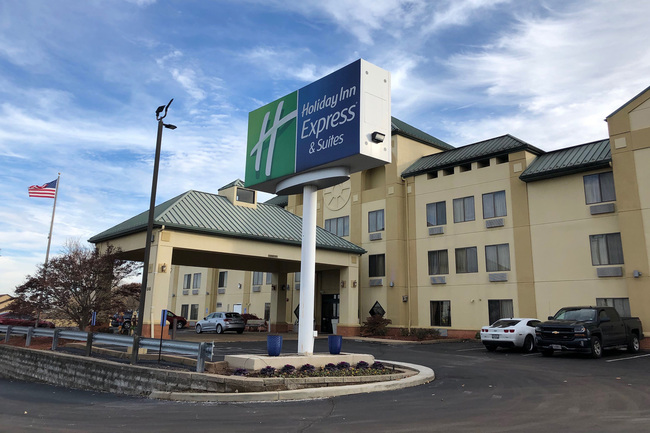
(547, 352)
(491, 347)
(633, 346)
(596, 348)
(529, 344)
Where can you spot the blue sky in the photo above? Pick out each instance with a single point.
(80, 82)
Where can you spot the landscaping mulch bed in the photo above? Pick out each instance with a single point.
(39, 343)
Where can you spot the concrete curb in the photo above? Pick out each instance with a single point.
(424, 375)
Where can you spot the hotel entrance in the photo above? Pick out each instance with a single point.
(329, 313)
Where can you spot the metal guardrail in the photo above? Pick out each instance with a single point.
(202, 351)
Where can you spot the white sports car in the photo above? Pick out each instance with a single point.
(514, 332)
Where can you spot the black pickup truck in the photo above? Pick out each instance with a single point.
(588, 330)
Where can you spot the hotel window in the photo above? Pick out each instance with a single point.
(194, 312)
(440, 313)
(376, 221)
(245, 195)
(296, 277)
(339, 226)
(223, 278)
(466, 260)
(196, 284)
(258, 278)
(438, 262)
(497, 258)
(599, 187)
(463, 209)
(376, 265)
(184, 309)
(622, 305)
(494, 204)
(269, 278)
(499, 309)
(606, 249)
(187, 281)
(437, 213)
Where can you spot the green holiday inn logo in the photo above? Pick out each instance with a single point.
(271, 144)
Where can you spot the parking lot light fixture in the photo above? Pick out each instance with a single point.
(161, 113)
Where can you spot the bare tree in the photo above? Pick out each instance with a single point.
(76, 283)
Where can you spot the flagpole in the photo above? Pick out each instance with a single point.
(47, 253)
(49, 237)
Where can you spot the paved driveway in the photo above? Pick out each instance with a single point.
(474, 391)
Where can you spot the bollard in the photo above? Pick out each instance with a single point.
(8, 334)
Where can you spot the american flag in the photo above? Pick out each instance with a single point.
(48, 190)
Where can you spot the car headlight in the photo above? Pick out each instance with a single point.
(580, 329)
(538, 330)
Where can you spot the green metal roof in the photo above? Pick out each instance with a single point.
(236, 182)
(493, 147)
(212, 214)
(576, 159)
(403, 128)
(279, 200)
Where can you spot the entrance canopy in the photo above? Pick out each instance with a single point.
(228, 230)
(211, 231)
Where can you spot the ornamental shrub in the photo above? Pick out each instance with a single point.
(362, 365)
(378, 365)
(375, 326)
(343, 365)
(287, 369)
(267, 371)
(241, 372)
(330, 367)
(307, 368)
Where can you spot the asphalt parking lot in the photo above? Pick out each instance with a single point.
(474, 391)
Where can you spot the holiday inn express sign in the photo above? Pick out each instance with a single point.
(341, 120)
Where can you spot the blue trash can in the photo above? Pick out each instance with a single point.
(334, 342)
(274, 345)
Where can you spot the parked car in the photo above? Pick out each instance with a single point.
(181, 321)
(221, 322)
(513, 332)
(588, 330)
(14, 319)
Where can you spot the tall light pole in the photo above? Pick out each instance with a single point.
(147, 247)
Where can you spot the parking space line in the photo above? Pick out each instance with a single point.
(469, 350)
(628, 358)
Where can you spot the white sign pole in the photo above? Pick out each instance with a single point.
(307, 272)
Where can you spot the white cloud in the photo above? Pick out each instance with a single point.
(555, 78)
(141, 3)
(187, 79)
(458, 13)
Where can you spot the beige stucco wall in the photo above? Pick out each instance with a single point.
(629, 130)
(561, 224)
(467, 292)
(176, 297)
(642, 162)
